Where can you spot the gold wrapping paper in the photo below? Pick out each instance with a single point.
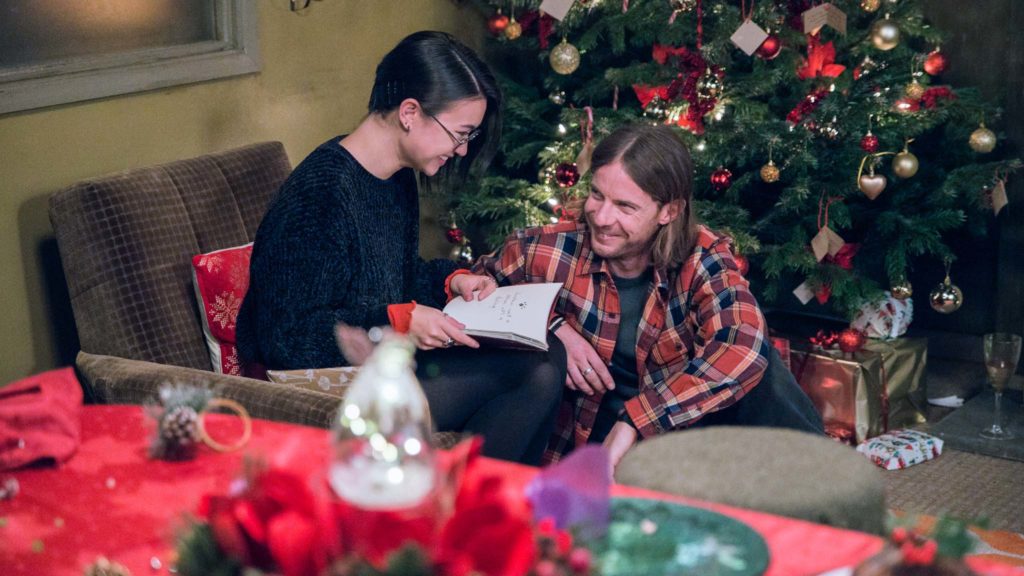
(867, 393)
(847, 392)
(905, 361)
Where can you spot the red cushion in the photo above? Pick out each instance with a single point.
(221, 279)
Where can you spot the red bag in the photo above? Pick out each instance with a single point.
(40, 418)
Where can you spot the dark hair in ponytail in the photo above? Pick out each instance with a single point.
(437, 70)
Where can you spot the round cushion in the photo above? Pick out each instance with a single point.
(774, 470)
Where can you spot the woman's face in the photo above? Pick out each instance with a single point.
(435, 139)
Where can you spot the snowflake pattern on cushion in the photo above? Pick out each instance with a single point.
(221, 279)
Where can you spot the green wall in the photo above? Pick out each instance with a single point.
(317, 72)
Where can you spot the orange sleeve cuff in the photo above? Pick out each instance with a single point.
(400, 316)
(448, 282)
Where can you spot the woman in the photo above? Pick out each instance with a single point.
(339, 244)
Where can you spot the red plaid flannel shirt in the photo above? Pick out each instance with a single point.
(701, 343)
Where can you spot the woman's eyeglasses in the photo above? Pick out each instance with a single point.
(457, 140)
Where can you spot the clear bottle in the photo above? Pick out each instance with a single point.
(382, 457)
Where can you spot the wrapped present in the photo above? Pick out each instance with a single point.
(782, 346)
(864, 394)
(901, 449)
(330, 380)
(887, 318)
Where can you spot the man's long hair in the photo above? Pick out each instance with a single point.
(659, 163)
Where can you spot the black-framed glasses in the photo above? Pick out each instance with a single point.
(457, 140)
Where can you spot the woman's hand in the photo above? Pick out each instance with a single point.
(430, 328)
(585, 371)
(466, 284)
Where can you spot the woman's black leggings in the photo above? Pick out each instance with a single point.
(510, 397)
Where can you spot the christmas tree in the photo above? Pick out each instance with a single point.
(825, 142)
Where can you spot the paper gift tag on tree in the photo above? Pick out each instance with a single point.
(999, 199)
(824, 15)
(749, 37)
(826, 243)
(557, 9)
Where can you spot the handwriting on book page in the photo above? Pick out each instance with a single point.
(506, 306)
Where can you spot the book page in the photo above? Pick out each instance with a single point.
(522, 310)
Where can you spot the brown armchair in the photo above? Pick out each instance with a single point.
(126, 242)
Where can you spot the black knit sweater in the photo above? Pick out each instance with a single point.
(337, 244)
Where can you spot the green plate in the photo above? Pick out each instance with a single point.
(654, 538)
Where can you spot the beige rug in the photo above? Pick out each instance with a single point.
(963, 485)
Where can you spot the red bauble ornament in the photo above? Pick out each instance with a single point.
(869, 143)
(497, 23)
(852, 340)
(721, 179)
(936, 63)
(455, 235)
(770, 48)
(742, 263)
(567, 175)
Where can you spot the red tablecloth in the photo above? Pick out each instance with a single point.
(111, 500)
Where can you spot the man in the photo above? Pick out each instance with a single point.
(659, 327)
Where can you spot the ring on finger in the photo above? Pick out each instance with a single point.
(448, 343)
(588, 370)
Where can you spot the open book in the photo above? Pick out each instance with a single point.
(513, 316)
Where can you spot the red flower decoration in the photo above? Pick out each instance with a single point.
(646, 93)
(273, 524)
(844, 257)
(931, 96)
(820, 60)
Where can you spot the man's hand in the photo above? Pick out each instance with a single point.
(466, 284)
(430, 328)
(618, 442)
(585, 371)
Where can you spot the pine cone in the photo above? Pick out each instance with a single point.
(180, 426)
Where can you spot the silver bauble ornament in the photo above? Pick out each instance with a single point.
(982, 140)
(462, 253)
(885, 34)
(557, 97)
(564, 58)
(709, 85)
(905, 164)
(946, 298)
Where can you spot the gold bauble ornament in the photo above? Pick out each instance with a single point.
(770, 172)
(461, 253)
(902, 290)
(885, 34)
(946, 298)
(871, 5)
(564, 58)
(905, 164)
(914, 90)
(982, 140)
(682, 5)
(709, 85)
(514, 29)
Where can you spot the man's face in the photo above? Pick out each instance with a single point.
(623, 218)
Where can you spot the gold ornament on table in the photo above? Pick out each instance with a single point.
(902, 289)
(104, 567)
(905, 164)
(946, 298)
(564, 58)
(885, 34)
(871, 5)
(982, 140)
(514, 29)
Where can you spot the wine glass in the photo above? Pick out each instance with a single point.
(1001, 354)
